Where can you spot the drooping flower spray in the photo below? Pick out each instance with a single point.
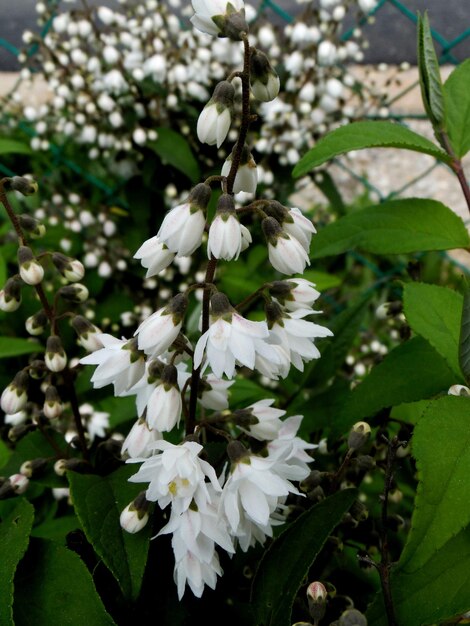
(184, 388)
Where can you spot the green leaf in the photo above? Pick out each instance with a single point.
(11, 346)
(393, 227)
(53, 586)
(322, 280)
(432, 580)
(457, 98)
(429, 74)
(412, 371)
(11, 146)
(286, 562)
(174, 149)
(99, 501)
(14, 539)
(434, 313)
(362, 135)
(464, 338)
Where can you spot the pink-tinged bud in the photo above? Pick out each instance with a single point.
(31, 271)
(71, 269)
(19, 483)
(359, 435)
(55, 356)
(316, 596)
(135, 516)
(15, 397)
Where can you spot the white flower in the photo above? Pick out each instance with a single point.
(159, 330)
(274, 368)
(295, 334)
(459, 390)
(327, 53)
(119, 364)
(215, 393)
(264, 81)
(287, 255)
(367, 5)
(251, 495)
(15, 397)
(164, 407)
(222, 18)
(138, 443)
(14, 419)
(96, 422)
(182, 228)
(231, 339)
(195, 534)
(214, 121)
(131, 520)
(290, 451)
(154, 255)
(301, 228)
(266, 420)
(31, 271)
(295, 293)
(225, 235)
(176, 475)
(246, 178)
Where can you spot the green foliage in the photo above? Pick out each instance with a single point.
(432, 580)
(11, 146)
(98, 501)
(362, 135)
(53, 586)
(434, 313)
(464, 337)
(394, 227)
(14, 538)
(287, 561)
(429, 75)
(174, 150)
(14, 346)
(457, 98)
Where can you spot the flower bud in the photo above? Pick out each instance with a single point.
(264, 81)
(359, 511)
(36, 324)
(74, 293)
(18, 432)
(22, 184)
(55, 357)
(15, 397)
(214, 121)
(71, 269)
(31, 271)
(135, 516)
(359, 435)
(33, 468)
(76, 465)
(88, 333)
(246, 178)
(37, 369)
(19, 483)
(52, 405)
(316, 596)
(213, 18)
(32, 226)
(10, 295)
(459, 390)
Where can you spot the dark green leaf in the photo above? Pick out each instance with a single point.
(432, 580)
(393, 227)
(322, 280)
(53, 586)
(412, 371)
(464, 338)
(174, 149)
(12, 346)
(362, 135)
(99, 501)
(11, 146)
(56, 529)
(287, 561)
(434, 313)
(457, 97)
(429, 74)
(14, 539)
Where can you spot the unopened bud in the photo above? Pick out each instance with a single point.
(31, 271)
(15, 396)
(32, 226)
(71, 269)
(33, 468)
(19, 483)
(52, 405)
(365, 462)
(236, 451)
(359, 435)
(76, 465)
(264, 81)
(316, 596)
(359, 511)
(22, 184)
(312, 481)
(55, 357)
(135, 516)
(74, 293)
(18, 432)
(36, 324)
(10, 295)
(37, 369)
(88, 333)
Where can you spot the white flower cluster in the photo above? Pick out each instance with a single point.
(240, 503)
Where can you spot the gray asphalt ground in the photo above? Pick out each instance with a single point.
(392, 37)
